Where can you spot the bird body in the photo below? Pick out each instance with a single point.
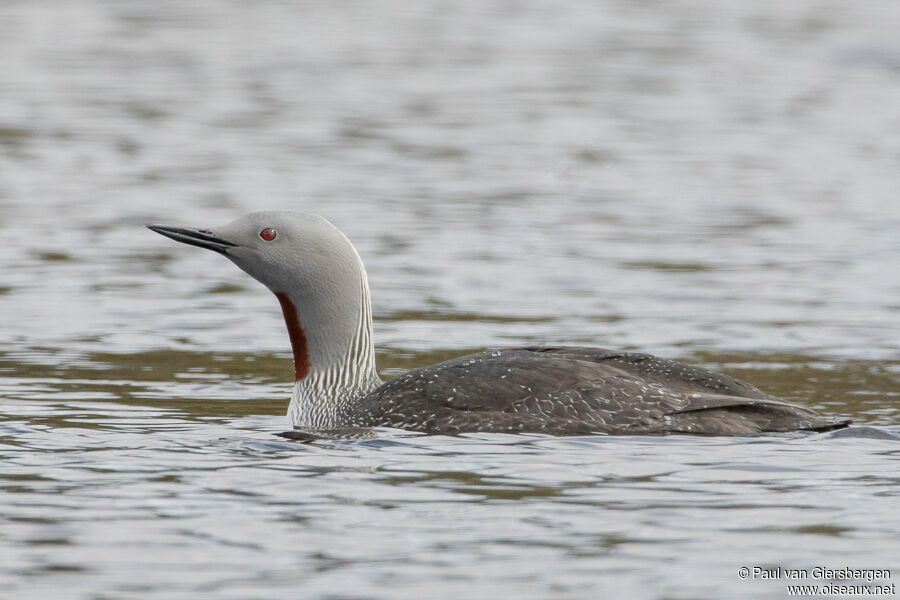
(577, 390)
(322, 286)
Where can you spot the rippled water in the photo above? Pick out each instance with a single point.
(713, 182)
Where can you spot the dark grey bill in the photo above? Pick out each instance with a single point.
(194, 237)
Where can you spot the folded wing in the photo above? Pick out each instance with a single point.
(575, 390)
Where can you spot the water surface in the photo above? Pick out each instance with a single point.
(711, 182)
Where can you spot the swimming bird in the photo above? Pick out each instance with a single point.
(321, 283)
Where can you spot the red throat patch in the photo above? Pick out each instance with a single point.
(297, 335)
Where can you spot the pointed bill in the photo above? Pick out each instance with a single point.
(194, 237)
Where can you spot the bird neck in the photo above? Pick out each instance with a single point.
(334, 355)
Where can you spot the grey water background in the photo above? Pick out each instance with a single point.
(717, 182)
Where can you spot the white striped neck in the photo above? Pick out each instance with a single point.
(334, 356)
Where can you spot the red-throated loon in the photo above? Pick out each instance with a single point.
(320, 281)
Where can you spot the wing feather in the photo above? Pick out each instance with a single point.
(572, 390)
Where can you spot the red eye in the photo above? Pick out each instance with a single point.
(268, 234)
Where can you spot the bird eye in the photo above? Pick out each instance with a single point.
(268, 234)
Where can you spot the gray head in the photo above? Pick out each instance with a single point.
(314, 271)
(285, 251)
